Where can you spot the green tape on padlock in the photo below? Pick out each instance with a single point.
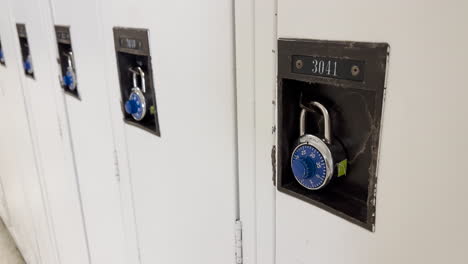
(342, 165)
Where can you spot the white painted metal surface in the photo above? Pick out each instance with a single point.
(256, 83)
(175, 190)
(43, 121)
(91, 133)
(182, 183)
(17, 155)
(51, 193)
(421, 200)
(173, 198)
(420, 214)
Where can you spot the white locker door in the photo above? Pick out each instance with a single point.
(17, 162)
(17, 159)
(44, 126)
(421, 197)
(91, 133)
(182, 183)
(3, 73)
(53, 194)
(3, 200)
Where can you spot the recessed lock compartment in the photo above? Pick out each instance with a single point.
(25, 53)
(66, 59)
(2, 55)
(330, 97)
(139, 106)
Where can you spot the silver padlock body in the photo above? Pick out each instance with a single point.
(324, 150)
(136, 91)
(332, 155)
(73, 74)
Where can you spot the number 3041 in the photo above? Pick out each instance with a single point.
(324, 67)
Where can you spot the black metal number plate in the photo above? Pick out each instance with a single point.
(63, 34)
(21, 28)
(132, 41)
(328, 67)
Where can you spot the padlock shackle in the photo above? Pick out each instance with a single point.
(138, 71)
(326, 121)
(69, 56)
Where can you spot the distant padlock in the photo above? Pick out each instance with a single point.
(136, 103)
(69, 79)
(27, 65)
(2, 57)
(315, 161)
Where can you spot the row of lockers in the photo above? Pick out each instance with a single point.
(184, 131)
(88, 177)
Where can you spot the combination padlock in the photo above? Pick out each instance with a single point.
(27, 65)
(2, 57)
(136, 103)
(315, 161)
(69, 79)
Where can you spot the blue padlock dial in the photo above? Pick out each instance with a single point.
(135, 106)
(27, 66)
(308, 167)
(131, 107)
(68, 79)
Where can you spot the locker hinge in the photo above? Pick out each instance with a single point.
(273, 164)
(238, 235)
(116, 166)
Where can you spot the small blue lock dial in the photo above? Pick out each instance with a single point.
(2, 57)
(136, 104)
(309, 167)
(69, 79)
(27, 64)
